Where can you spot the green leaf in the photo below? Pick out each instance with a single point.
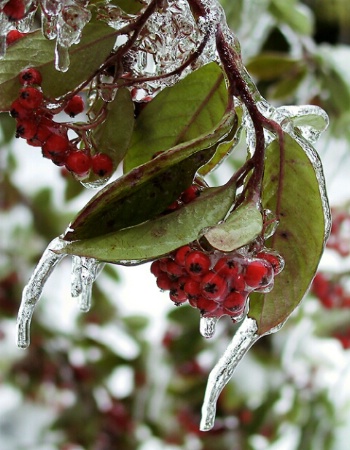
(299, 237)
(287, 87)
(34, 50)
(242, 226)
(114, 134)
(147, 190)
(297, 16)
(271, 65)
(190, 108)
(160, 236)
(129, 6)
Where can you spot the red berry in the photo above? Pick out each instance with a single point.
(14, 10)
(173, 269)
(26, 128)
(227, 267)
(155, 268)
(177, 294)
(17, 111)
(45, 129)
(78, 162)
(206, 305)
(197, 263)
(13, 36)
(164, 282)
(74, 106)
(181, 253)
(214, 287)
(30, 76)
(102, 164)
(276, 261)
(236, 301)
(30, 97)
(257, 273)
(190, 193)
(237, 282)
(192, 288)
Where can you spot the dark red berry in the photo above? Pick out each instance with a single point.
(74, 106)
(30, 97)
(257, 273)
(190, 194)
(192, 288)
(237, 282)
(78, 162)
(214, 287)
(236, 301)
(227, 267)
(177, 294)
(26, 128)
(206, 305)
(155, 268)
(19, 112)
(14, 10)
(164, 282)
(30, 76)
(173, 269)
(181, 253)
(197, 263)
(102, 164)
(274, 259)
(13, 36)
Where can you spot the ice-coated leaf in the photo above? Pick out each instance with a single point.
(241, 227)
(114, 134)
(147, 190)
(35, 50)
(190, 108)
(299, 237)
(159, 236)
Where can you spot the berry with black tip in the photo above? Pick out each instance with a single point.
(102, 164)
(74, 106)
(78, 162)
(30, 97)
(30, 76)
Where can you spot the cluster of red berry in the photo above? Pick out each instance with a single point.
(216, 283)
(35, 124)
(330, 292)
(339, 239)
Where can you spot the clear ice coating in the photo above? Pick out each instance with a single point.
(207, 326)
(84, 273)
(242, 341)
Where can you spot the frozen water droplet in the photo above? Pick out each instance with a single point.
(87, 272)
(32, 291)
(242, 341)
(76, 282)
(270, 223)
(207, 326)
(48, 26)
(61, 58)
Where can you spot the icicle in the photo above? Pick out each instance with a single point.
(207, 326)
(61, 58)
(33, 290)
(84, 271)
(244, 338)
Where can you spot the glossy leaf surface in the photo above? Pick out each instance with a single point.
(160, 236)
(192, 107)
(241, 227)
(299, 237)
(147, 190)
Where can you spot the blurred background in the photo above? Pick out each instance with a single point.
(131, 373)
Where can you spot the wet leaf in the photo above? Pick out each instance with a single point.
(299, 237)
(129, 6)
(113, 135)
(190, 108)
(159, 236)
(34, 50)
(241, 227)
(147, 190)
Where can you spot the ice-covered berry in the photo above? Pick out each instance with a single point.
(30, 76)
(214, 287)
(74, 106)
(197, 263)
(78, 162)
(14, 10)
(30, 97)
(102, 164)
